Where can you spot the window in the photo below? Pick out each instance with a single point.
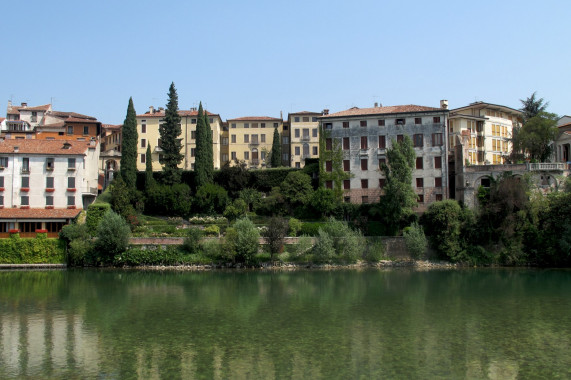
(436, 119)
(143, 158)
(437, 139)
(314, 132)
(329, 184)
(25, 182)
(71, 200)
(381, 123)
(2, 181)
(400, 121)
(275, 125)
(364, 144)
(438, 197)
(70, 130)
(71, 182)
(49, 200)
(85, 130)
(328, 166)
(417, 140)
(233, 125)
(192, 121)
(25, 200)
(25, 165)
(382, 142)
(364, 164)
(438, 182)
(297, 151)
(263, 155)
(328, 143)
(347, 199)
(263, 138)
(438, 162)
(143, 143)
(50, 163)
(381, 162)
(346, 184)
(246, 155)
(285, 140)
(364, 184)
(364, 199)
(49, 182)
(296, 132)
(314, 119)
(382, 182)
(263, 125)
(224, 141)
(233, 137)
(345, 143)
(298, 165)
(400, 138)
(246, 125)
(417, 120)
(419, 163)
(225, 157)
(143, 127)
(420, 182)
(211, 120)
(314, 150)
(254, 125)
(305, 133)
(193, 135)
(4, 162)
(285, 157)
(306, 119)
(71, 163)
(363, 123)
(420, 198)
(246, 138)
(192, 152)
(328, 125)
(296, 119)
(346, 165)
(233, 155)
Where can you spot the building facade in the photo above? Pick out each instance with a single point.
(44, 184)
(365, 134)
(304, 137)
(485, 131)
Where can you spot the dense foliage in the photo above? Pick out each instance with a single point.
(276, 154)
(41, 250)
(129, 140)
(203, 165)
(171, 144)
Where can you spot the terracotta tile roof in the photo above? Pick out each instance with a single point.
(52, 125)
(561, 126)
(2, 119)
(62, 114)
(33, 146)
(112, 126)
(305, 113)
(356, 111)
(180, 112)
(45, 107)
(80, 120)
(256, 118)
(13, 111)
(38, 213)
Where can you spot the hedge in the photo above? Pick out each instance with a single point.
(40, 250)
(95, 213)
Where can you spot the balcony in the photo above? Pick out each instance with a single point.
(546, 166)
(381, 151)
(305, 138)
(25, 171)
(364, 152)
(253, 144)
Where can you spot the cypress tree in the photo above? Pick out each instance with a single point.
(129, 147)
(149, 180)
(171, 144)
(209, 161)
(200, 154)
(276, 159)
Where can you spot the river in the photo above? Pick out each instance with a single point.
(340, 324)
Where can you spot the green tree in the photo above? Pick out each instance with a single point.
(211, 199)
(536, 135)
(129, 147)
(415, 240)
(276, 155)
(296, 189)
(149, 180)
(203, 153)
(112, 236)
(531, 107)
(324, 200)
(335, 157)
(121, 197)
(235, 210)
(247, 240)
(209, 160)
(171, 144)
(275, 234)
(399, 198)
(252, 197)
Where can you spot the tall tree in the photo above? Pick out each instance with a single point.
(399, 198)
(276, 158)
(129, 147)
(171, 144)
(536, 136)
(532, 106)
(200, 154)
(149, 180)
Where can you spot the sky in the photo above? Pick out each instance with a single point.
(263, 58)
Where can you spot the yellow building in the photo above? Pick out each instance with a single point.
(304, 131)
(148, 132)
(251, 137)
(486, 131)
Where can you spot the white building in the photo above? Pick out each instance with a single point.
(364, 134)
(45, 183)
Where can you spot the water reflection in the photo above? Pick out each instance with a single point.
(342, 324)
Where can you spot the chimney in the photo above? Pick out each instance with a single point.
(444, 104)
(281, 115)
(193, 109)
(151, 110)
(24, 104)
(376, 104)
(325, 112)
(161, 109)
(9, 104)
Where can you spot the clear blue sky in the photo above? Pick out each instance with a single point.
(257, 58)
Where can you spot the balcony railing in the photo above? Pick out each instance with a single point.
(363, 152)
(546, 166)
(305, 138)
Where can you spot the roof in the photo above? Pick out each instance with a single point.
(2, 119)
(38, 213)
(256, 118)
(45, 107)
(180, 112)
(112, 126)
(356, 111)
(80, 120)
(63, 114)
(487, 105)
(305, 113)
(36, 146)
(560, 126)
(51, 125)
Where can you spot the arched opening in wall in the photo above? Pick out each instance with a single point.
(255, 157)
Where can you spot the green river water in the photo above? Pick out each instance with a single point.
(341, 324)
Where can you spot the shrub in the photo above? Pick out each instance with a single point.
(16, 250)
(211, 248)
(112, 236)
(79, 252)
(228, 251)
(74, 231)
(95, 213)
(168, 200)
(415, 240)
(247, 240)
(294, 226)
(311, 228)
(296, 188)
(191, 243)
(252, 197)
(211, 199)
(212, 230)
(303, 247)
(275, 233)
(324, 251)
(235, 210)
(375, 250)
(136, 256)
